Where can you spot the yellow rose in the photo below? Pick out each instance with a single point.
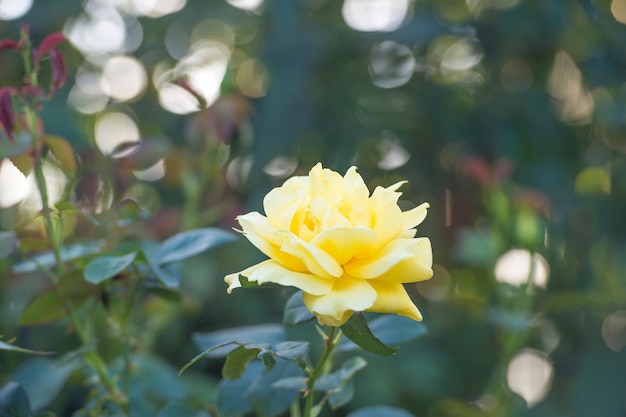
(346, 250)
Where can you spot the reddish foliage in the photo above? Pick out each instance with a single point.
(7, 113)
(50, 42)
(59, 73)
(8, 44)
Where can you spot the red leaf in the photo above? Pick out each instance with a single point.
(50, 42)
(8, 44)
(32, 90)
(59, 74)
(7, 114)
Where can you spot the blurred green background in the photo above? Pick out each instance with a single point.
(507, 116)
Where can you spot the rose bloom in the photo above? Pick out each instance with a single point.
(346, 250)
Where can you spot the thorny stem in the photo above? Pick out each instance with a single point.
(92, 357)
(331, 340)
(37, 162)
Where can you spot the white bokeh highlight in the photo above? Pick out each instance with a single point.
(529, 375)
(375, 15)
(514, 267)
(114, 129)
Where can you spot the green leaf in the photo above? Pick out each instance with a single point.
(334, 381)
(65, 206)
(166, 275)
(342, 396)
(390, 329)
(63, 152)
(44, 308)
(380, 411)
(295, 311)
(296, 351)
(187, 244)
(21, 143)
(268, 401)
(8, 243)
(297, 383)
(271, 334)
(106, 267)
(166, 294)
(72, 285)
(205, 354)
(47, 259)
(177, 409)
(6, 346)
(253, 284)
(237, 360)
(43, 379)
(14, 401)
(357, 330)
(268, 358)
(231, 398)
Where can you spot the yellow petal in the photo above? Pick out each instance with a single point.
(257, 229)
(315, 259)
(356, 192)
(386, 216)
(413, 217)
(325, 182)
(348, 295)
(284, 206)
(393, 298)
(378, 264)
(414, 269)
(270, 271)
(343, 243)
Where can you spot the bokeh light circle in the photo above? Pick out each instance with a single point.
(14, 9)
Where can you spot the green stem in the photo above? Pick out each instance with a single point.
(330, 343)
(31, 114)
(92, 357)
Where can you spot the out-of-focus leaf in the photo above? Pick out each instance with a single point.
(8, 243)
(271, 334)
(380, 411)
(177, 409)
(45, 308)
(14, 401)
(59, 71)
(47, 259)
(268, 401)
(231, 398)
(334, 381)
(193, 242)
(341, 396)
(7, 112)
(357, 330)
(130, 212)
(298, 383)
(163, 274)
(237, 360)
(297, 351)
(165, 293)
(390, 329)
(152, 378)
(295, 311)
(106, 267)
(50, 42)
(6, 346)
(65, 206)
(72, 285)
(21, 143)
(43, 379)
(63, 152)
